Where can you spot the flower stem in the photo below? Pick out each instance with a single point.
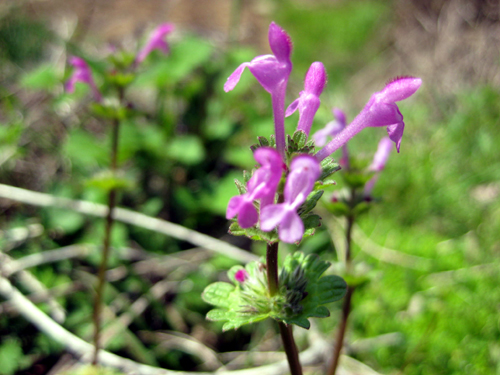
(346, 307)
(292, 354)
(101, 276)
(272, 268)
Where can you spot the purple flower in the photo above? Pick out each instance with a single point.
(241, 275)
(262, 185)
(380, 158)
(308, 101)
(82, 73)
(272, 72)
(156, 41)
(332, 129)
(378, 164)
(381, 110)
(304, 171)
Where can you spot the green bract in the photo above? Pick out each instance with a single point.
(302, 293)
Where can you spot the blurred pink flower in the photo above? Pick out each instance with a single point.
(81, 73)
(156, 41)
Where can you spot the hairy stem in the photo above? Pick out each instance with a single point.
(346, 307)
(101, 276)
(292, 354)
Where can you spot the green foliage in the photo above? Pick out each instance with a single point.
(11, 356)
(302, 294)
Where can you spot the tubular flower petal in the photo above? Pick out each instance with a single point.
(304, 171)
(380, 158)
(378, 164)
(332, 129)
(308, 101)
(82, 73)
(262, 185)
(156, 41)
(381, 110)
(272, 72)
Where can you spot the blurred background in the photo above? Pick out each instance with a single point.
(430, 243)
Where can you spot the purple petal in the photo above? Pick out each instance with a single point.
(233, 207)
(396, 133)
(383, 114)
(292, 107)
(304, 171)
(399, 88)
(234, 78)
(280, 43)
(380, 158)
(339, 116)
(309, 104)
(155, 41)
(241, 275)
(272, 215)
(315, 79)
(248, 215)
(269, 157)
(291, 228)
(269, 72)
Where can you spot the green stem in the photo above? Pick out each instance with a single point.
(346, 307)
(292, 354)
(101, 276)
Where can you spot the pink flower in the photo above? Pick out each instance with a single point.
(241, 275)
(304, 171)
(81, 73)
(272, 72)
(156, 41)
(381, 110)
(332, 129)
(378, 164)
(380, 158)
(262, 185)
(308, 101)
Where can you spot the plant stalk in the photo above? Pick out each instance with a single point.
(346, 306)
(101, 276)
(292, 354)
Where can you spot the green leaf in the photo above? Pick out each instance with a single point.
(219, 294)
(107, 181)
(186, 149)
(310, 202)
(11, 356)
(328, 167)
(319, 290)
(299, 138)
(42, 78)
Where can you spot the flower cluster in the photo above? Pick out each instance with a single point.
(265, 203)
(82, 72)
